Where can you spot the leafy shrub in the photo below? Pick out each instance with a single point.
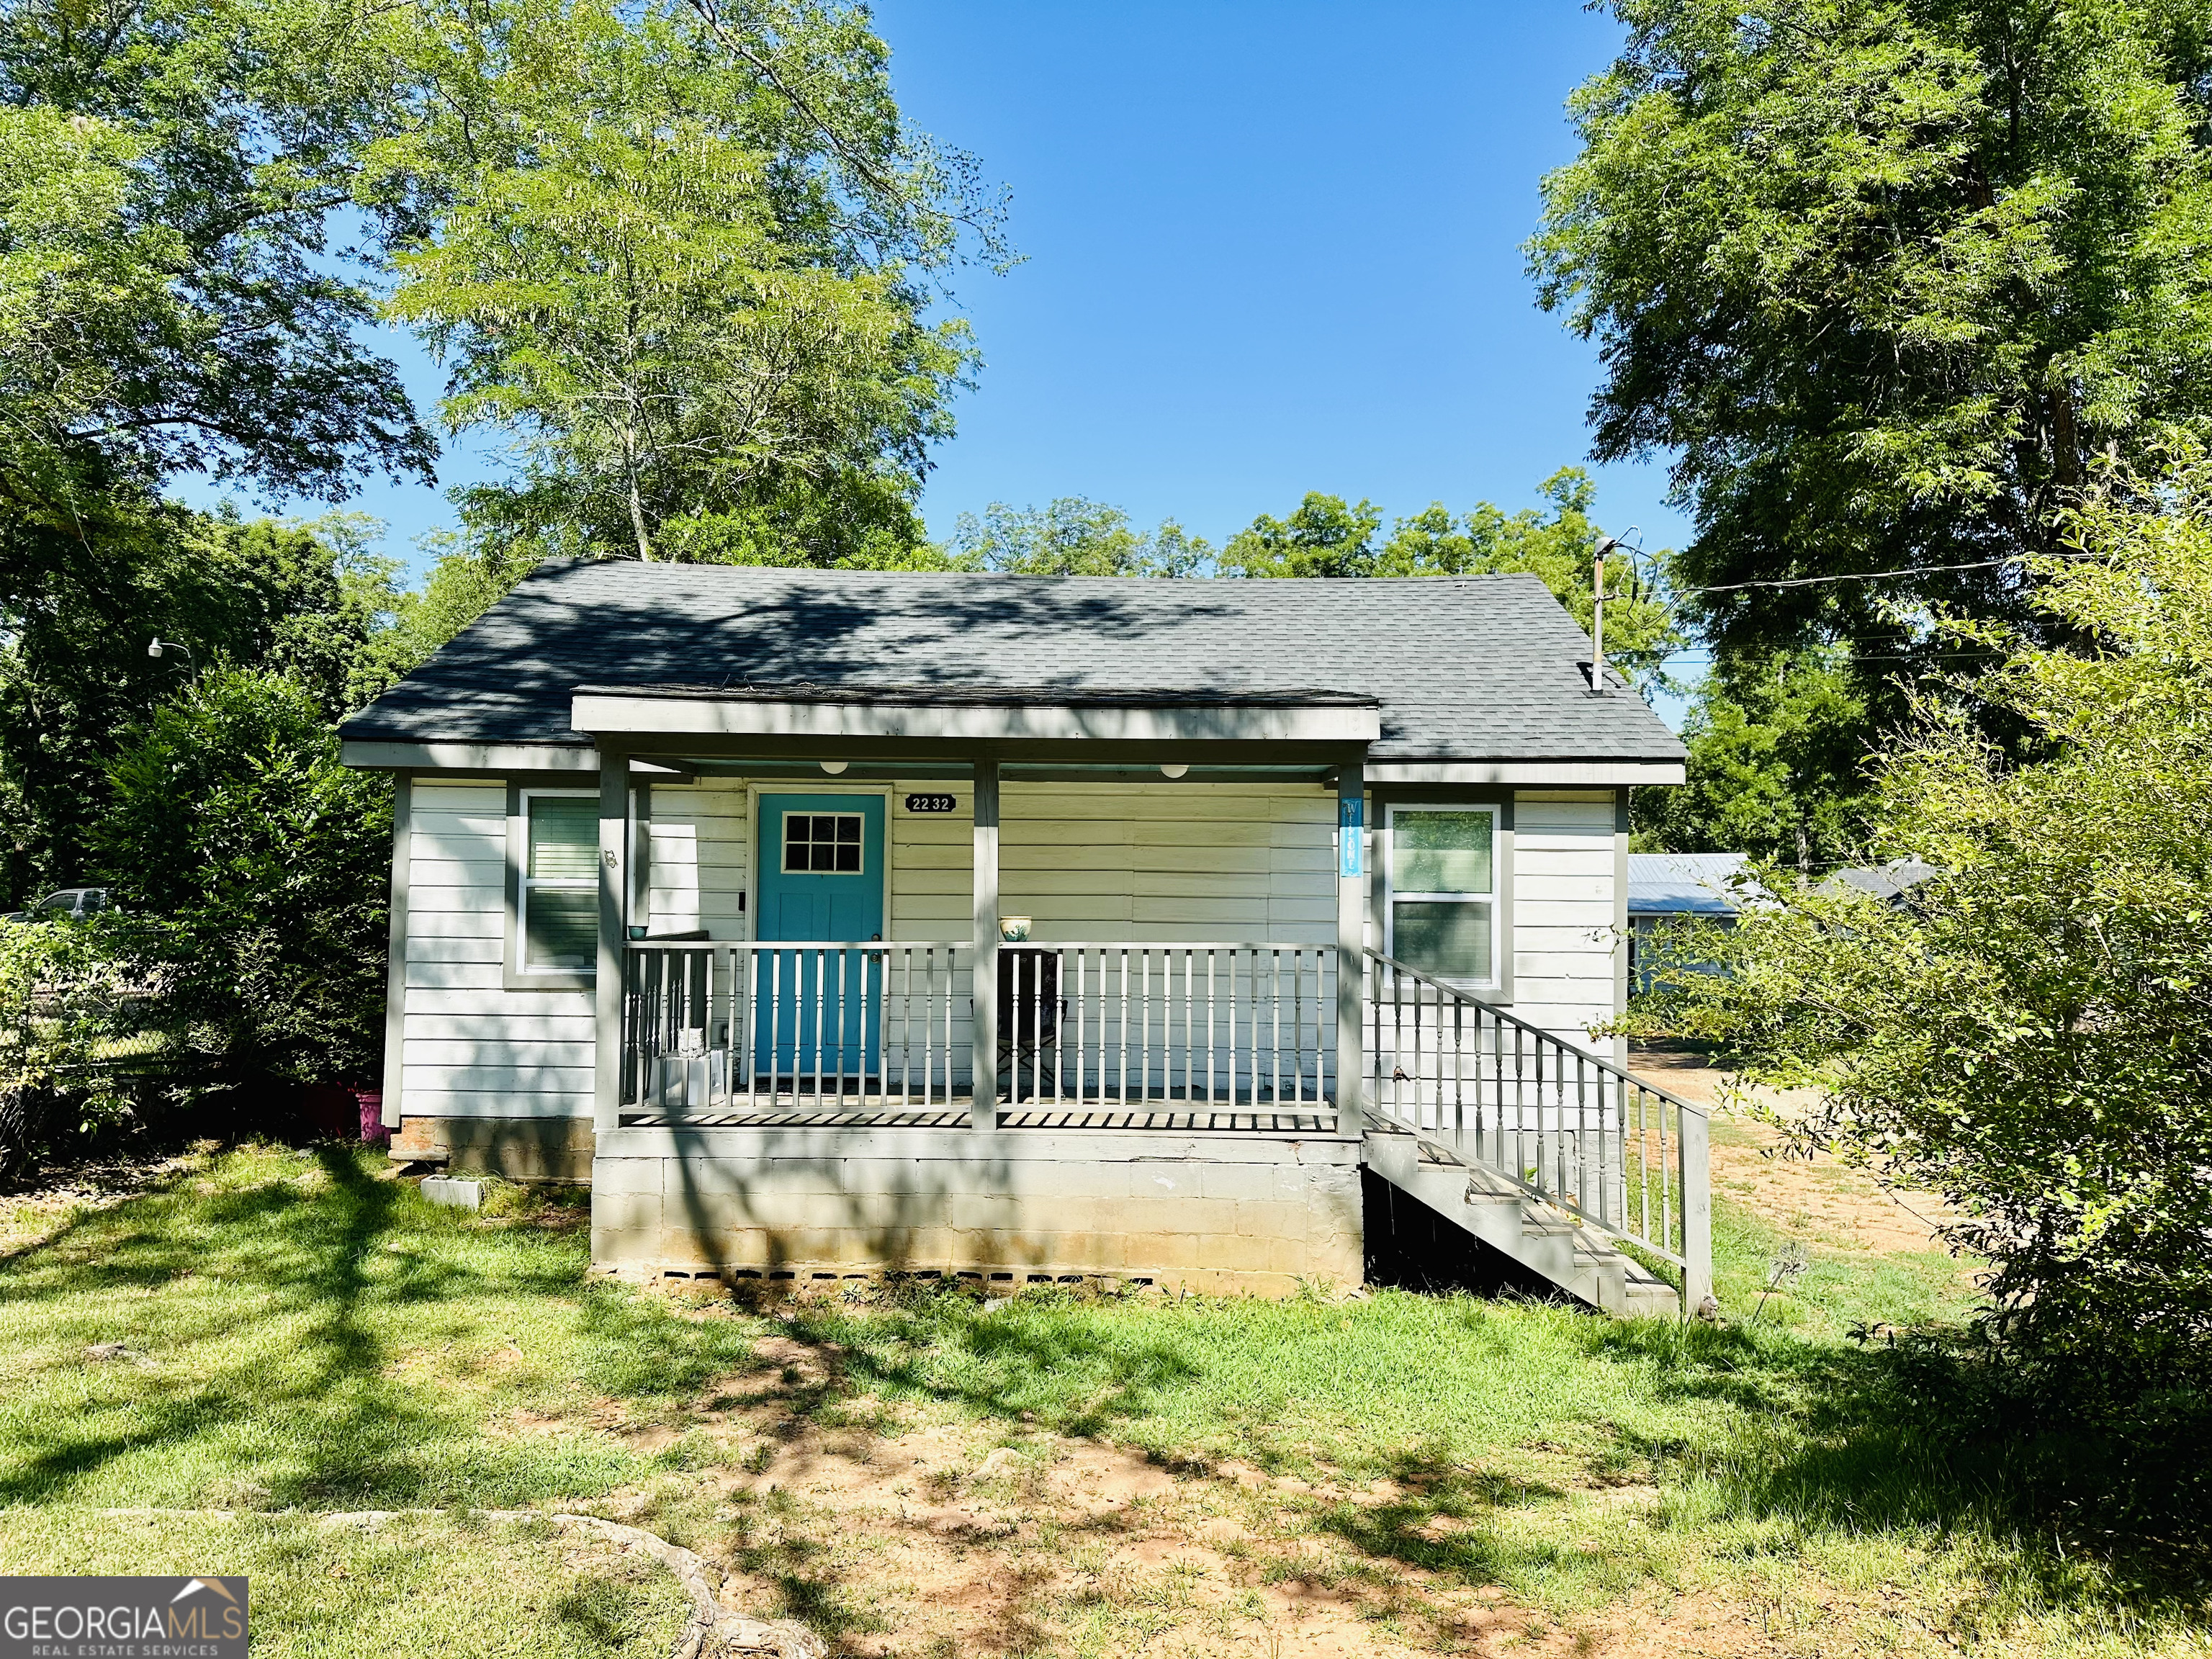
(255, 868)
(2025, 1032)
(61, 1003)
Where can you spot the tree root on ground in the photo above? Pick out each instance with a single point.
(712, 1633)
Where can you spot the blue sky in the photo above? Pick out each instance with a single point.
(1269, 248)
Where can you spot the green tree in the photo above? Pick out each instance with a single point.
(679, 259)
(1880, 278)
(1326, 537)
(202, 200)
(169, 297)
(1073, 536)
(2026, 1036)
(1779, 746)
(1323, 537)
(254, 865)
(631, 314)
(1559, 547)
(62, 999)
(75, 620)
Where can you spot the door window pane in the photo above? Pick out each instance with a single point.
(1448, 939)
(824, 842)
(1440, 851)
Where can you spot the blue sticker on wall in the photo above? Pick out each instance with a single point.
(1351, 820)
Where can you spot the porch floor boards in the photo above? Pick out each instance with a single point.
(1312, 1119)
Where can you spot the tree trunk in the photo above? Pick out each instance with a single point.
(637, 520)
(636, 501)
(2065, 441)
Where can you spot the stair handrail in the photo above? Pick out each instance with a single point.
(1633, 1138)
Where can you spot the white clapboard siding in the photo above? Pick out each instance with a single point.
(699, 865)
(932, 853)
(500, 1081)
(474, 949)
(481, 872)
(1170, 861)
(526, 1025)
(471, 1048)
(510, 1050)
(454, 976)
(457, 924)
(1562, 911)
(1127, 862)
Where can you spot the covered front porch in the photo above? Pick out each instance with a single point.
(1009, 1100)
(1015, 1103)
(784, 1017)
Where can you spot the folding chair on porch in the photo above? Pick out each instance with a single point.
(1029, 1010)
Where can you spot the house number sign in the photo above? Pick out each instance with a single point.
(932, 804)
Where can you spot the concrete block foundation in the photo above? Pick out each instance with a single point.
(1215, 1213)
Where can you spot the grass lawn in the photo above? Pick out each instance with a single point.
(927, 1475)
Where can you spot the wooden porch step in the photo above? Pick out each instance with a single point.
(1485, 1204)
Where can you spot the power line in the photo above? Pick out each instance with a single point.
(1709, 655)
(1863, 575)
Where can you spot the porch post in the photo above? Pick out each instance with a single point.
(983, 1109)
(1350, 947)
(607, 1007)
(1696, 1176)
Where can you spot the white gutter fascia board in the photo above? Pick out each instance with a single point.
(978, 722)
(1563, 775)
(378, 756)
(375, 757)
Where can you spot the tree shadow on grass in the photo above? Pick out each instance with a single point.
(1044, 1367)
(1445, 1517)
(1933, 1434)
(262, 1378)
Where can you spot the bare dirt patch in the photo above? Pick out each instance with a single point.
(1816, 1198)
(34, 1215)
(897, 1537)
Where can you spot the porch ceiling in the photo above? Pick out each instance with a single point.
(953, 770)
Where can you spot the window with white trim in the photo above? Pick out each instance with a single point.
(1441, 894)
(558, 907)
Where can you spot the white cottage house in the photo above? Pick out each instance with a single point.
(1032, 929)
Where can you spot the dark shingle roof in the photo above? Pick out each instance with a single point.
(1464, 668)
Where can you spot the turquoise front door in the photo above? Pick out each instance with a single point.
(816, 1012)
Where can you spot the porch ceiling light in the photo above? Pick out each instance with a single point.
(833, 767)
(1175, 769)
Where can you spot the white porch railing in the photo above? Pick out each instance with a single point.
(734, 1026)
(1567, 1125)
(1207, 1025)
(712, 1026)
